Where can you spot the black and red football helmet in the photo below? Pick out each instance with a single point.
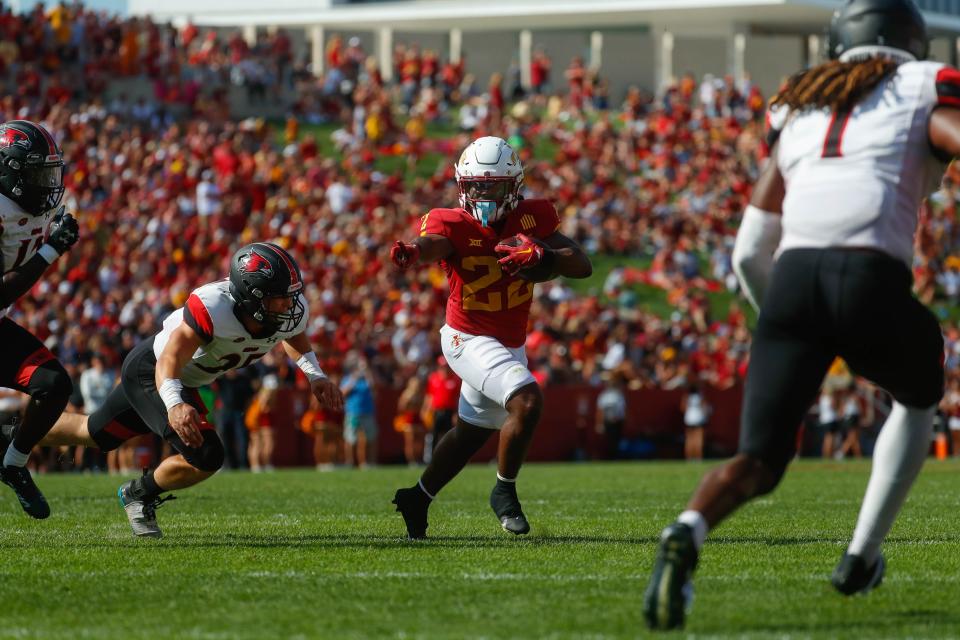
(31, 166)
(263, 270)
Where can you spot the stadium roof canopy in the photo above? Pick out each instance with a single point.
(426, 15)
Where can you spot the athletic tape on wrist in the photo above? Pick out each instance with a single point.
(310, 366)
(48, 253)
(170, 392)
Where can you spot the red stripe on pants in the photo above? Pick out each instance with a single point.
(120, 432)
(27, 368)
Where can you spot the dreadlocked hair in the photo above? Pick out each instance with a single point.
(834, 85)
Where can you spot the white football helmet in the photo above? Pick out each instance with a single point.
(489, 176)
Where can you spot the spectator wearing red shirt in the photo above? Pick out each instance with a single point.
(334, 52)
(495, 89)
(188, 34)
(540, 71)
(282, 50)
(441, 400)
(576, 73)
(429, 67)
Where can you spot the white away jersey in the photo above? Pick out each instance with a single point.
(21, 235)
(210, 312)
(857, 179)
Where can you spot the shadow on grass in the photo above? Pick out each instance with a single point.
(347, 540)
(821, 539)
(871, 625)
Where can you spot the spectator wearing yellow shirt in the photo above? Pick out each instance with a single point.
(61, 23)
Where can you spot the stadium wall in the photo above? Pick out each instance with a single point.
(653, 429)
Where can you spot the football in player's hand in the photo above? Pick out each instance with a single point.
(538, 273)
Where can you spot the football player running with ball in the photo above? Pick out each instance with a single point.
(224, 325)
(493, 247)
(863, 138)
(34, 232)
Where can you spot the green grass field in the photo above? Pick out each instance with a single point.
(307, 555)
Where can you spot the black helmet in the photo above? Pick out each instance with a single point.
(263, 270)
(31, 166)
(896, 24)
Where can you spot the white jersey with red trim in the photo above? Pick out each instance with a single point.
(228, 345)
(21, 235)
(857, 179)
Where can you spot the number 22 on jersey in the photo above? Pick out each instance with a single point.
(517, 292)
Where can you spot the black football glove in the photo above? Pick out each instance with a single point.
(64, 232)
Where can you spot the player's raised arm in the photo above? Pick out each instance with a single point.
(759, 234)
(299, 350)
(183, 418)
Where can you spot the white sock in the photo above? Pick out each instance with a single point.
(501, 478)
(424, 489)
(696, 521)
(898, 456)
(15, 458)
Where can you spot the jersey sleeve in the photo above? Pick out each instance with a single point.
(434, 223)
(547, 219)
(197, 317)
(775, 120)
(948, 87)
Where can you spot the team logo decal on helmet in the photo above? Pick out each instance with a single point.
(10, 136)
(253, 262)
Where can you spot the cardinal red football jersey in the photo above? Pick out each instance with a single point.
(483, 299)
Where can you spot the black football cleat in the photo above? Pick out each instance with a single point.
(670, 590)
(853, 576)
(32, 501)
(412, 504)
(506, 505)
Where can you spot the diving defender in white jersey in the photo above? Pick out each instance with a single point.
(224, 325)
(825, 250)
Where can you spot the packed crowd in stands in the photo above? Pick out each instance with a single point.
(166, 189)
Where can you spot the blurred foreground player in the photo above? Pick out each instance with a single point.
(492, 247)
(34, 232)
(224, 325)
(863, 139)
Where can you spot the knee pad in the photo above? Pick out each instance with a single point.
(50, 380)
(210, 455)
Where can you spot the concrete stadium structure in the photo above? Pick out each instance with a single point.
(632, 42)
